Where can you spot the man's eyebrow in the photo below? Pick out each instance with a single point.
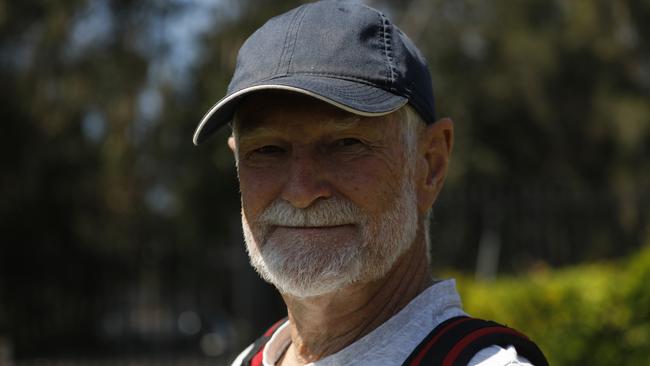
(257, 131)
(345, 123)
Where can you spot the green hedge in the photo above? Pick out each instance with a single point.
(596, 314)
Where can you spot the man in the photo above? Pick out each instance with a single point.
(340, 158)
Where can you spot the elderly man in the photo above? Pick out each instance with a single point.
(340, 158)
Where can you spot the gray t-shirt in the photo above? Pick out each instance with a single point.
(392, 342)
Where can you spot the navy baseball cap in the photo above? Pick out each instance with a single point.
(343, 53)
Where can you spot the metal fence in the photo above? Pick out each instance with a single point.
(495, 229)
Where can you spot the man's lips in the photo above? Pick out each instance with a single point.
(310, 229)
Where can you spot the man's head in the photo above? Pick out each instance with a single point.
(337, 173)
(330, 198)
(341, 52)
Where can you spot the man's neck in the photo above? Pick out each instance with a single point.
(323, 325)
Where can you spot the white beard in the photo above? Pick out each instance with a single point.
(299, 268)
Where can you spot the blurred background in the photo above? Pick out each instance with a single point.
(121, 243)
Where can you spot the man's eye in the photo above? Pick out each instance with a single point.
(346, 142)
(269, 150)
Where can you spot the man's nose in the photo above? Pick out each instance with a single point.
(306, 182)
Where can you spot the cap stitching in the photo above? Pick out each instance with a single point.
(387, 49)
(295, 39)
(374, 94)
(331, 75)
(334, 76)
(286, 40)
(293, 32)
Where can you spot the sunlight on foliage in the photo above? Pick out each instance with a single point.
(592, 314)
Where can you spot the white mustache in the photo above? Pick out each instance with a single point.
(327, 212)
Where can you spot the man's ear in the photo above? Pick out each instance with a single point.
(231, 144)
(436, 145)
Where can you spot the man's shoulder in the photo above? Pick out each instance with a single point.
(490, 356)
(498, 356)
(464, 340)
(240, 358)
(253, 353)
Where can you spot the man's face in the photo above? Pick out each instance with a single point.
(328, 197)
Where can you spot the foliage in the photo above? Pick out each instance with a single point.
(592, 314)
(548, 97)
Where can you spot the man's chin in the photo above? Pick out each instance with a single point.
(309, 274)
(303, 291)
(317, 237)
(310, 262)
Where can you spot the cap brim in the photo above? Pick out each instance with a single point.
(354, 97)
